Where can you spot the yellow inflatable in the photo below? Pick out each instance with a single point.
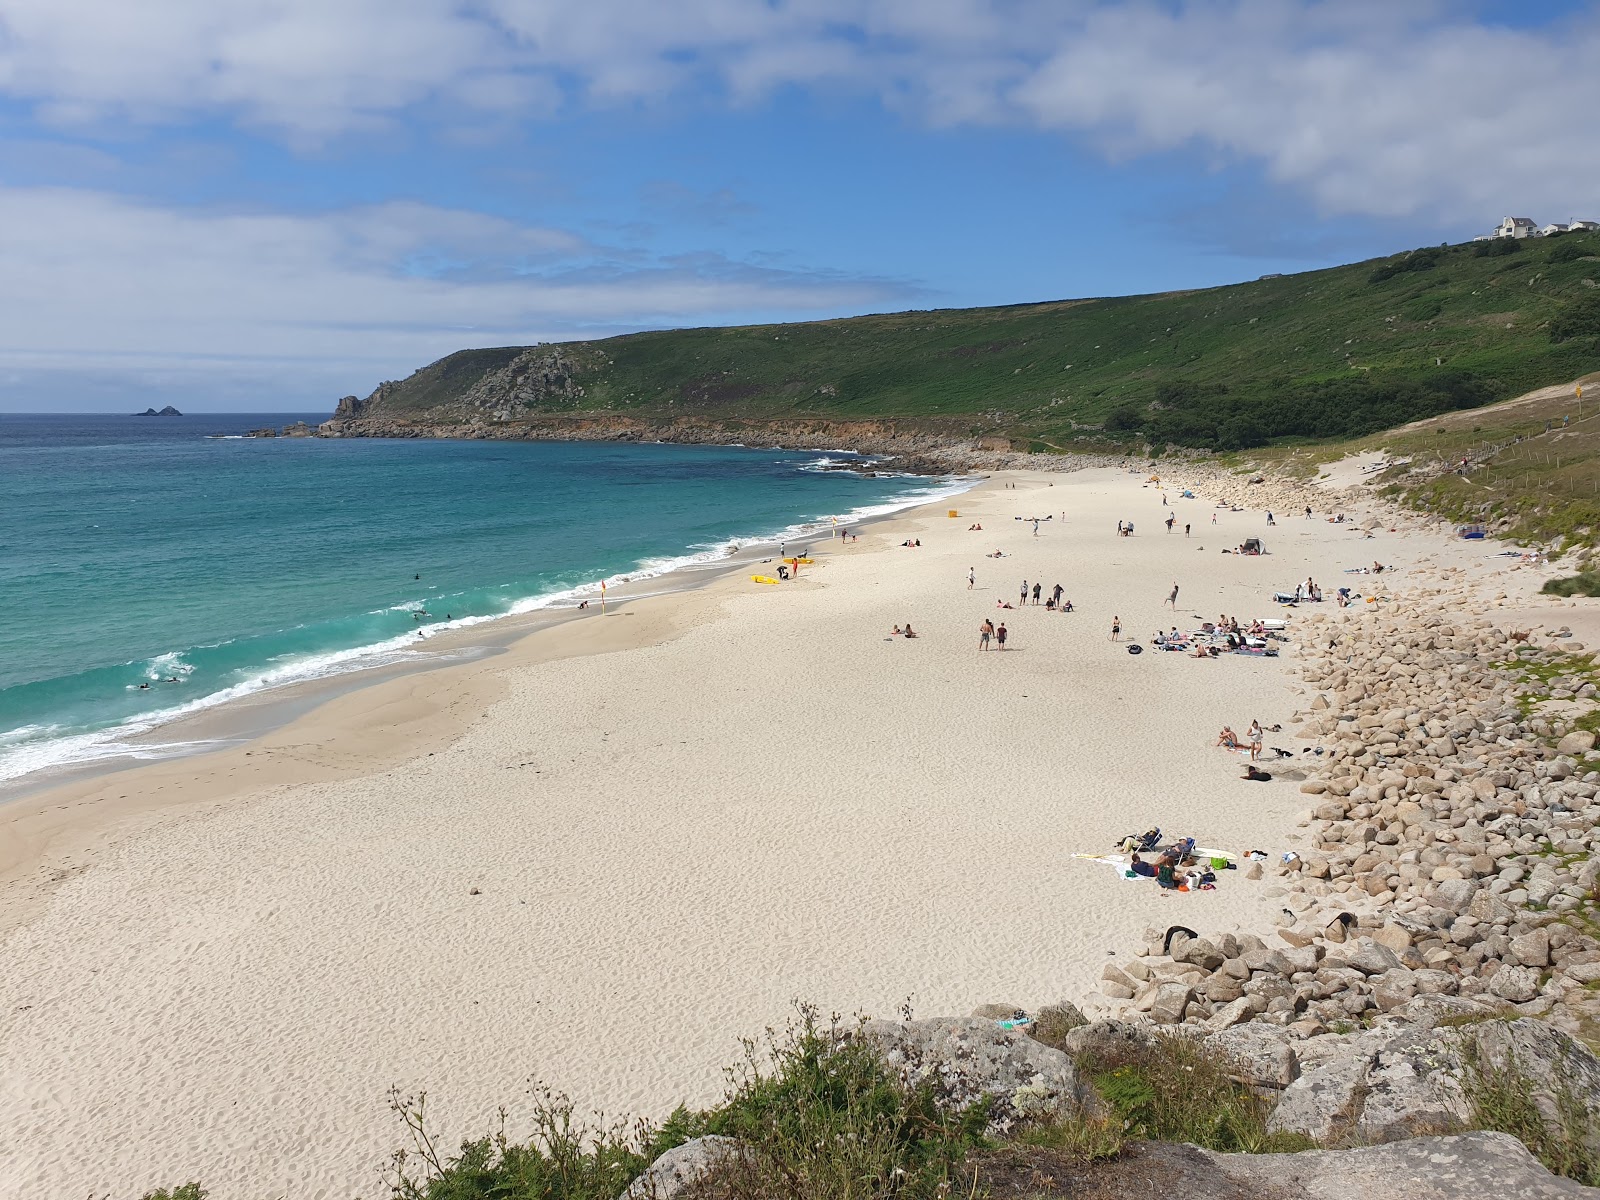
(763, 579)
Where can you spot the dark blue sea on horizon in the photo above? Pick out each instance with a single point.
(135, 550)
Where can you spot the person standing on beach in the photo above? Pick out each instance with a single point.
(972, 579)
(1171, 517)
(1023, 599)
(1056, 593)
(1173, 598)
(1037, 588)
(1270, 521)
(985, 631)
(1000, 635)
(1254, 734)
(1116, 629)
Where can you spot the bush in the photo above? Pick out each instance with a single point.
(1502, 1100)
(1571, 251)
(1496, 247)
(1584, 583)
(1124, 418)
(823, 1118)
(1578, 318)
(1424, 259)
(819, 1114)
(563, 1159)
(189, 1191)
(1177, 1089)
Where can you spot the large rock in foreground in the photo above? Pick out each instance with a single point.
(1468, 1166)
(1380, 1088)
(968, 1058)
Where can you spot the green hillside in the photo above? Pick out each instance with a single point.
(1325, 354)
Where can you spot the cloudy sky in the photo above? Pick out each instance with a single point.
(265, 204)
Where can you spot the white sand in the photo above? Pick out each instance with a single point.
(753, 796)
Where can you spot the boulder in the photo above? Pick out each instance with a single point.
(1171, 1001)
(1263, 1053)
(681, 1168)
(1579, 741)
(1324, 1103)
(1513, 983)
(969, 1058)
(1107, 1041)
(1468, 1166)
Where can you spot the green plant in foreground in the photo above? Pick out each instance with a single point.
(817, 1112)
(1177, 1089)
(822, 1117)
(1502, 1099)
(563, 1159)
(189, 1191)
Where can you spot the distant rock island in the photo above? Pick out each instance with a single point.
(168, 411)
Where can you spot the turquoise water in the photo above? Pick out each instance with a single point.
(135, 551)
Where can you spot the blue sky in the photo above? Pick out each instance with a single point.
(266, 204)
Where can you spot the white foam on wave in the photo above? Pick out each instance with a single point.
(24, 751)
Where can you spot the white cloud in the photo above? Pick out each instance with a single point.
(95, 281)
(1396, 108)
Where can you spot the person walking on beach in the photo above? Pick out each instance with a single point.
(1171, 517)
(972, 579)
(1116, 629)
(1270, 521)
(1119, 528)
(985, 632)
(1000, 635)
(1023, 599)
(1056, 594)
(1255, 735)
(1213, 518)
(1185, 529)
(1173, 598)
(1037, 588)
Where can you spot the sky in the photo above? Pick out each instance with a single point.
(263, 205)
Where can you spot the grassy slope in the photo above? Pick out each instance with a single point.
(1042, 369)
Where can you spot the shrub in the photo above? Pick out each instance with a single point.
(1177, 1089)
(1424, 259)
(189, 1191)
(823, 1118)
(1584, 583)
(564, 1159)
(1502, 1100)
(1053, 1024)
(1123, 418)
(1572, 250)
(1496, 247)
(1578, 318)
(818, 1113)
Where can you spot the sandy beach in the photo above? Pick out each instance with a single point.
(602, 857)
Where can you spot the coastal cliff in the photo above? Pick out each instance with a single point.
(1325, 355)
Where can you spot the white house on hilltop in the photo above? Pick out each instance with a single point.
(1523, 227)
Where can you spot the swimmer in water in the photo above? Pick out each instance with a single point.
(172, 679)
(144, 687)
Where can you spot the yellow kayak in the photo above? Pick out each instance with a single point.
(763, 579)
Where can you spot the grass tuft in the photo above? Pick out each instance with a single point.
(1502, 1099)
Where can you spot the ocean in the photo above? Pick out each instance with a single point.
(137, 551)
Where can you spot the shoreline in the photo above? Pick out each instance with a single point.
(602, 871)
(216, 720)
(284, 714)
